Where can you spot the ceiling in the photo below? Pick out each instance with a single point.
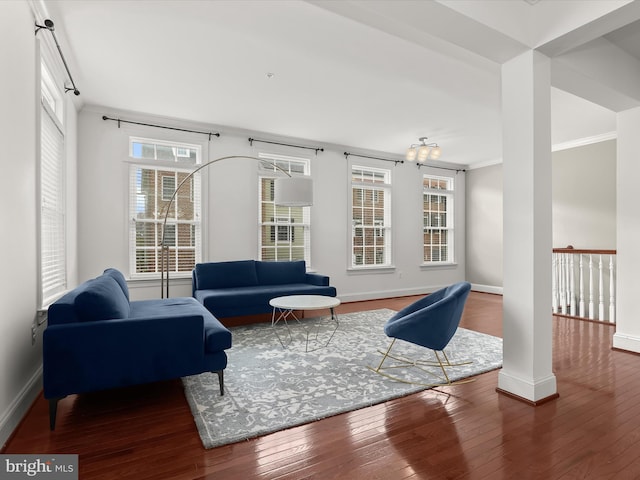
(372, 75)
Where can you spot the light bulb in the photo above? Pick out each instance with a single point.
(423, 153)
(436, 152)
(411, 154)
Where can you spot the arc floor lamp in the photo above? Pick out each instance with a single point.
(289, 191)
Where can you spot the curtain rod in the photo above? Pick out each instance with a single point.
(317, 149)
(210, 134)
(346, 154)
(457, 170)
(48, 25)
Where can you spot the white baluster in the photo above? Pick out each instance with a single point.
(601, 292)
(568, 293)
(572, 285)
(554, 283)
(591, 306)
(563, 284)
(612, 297)
(581, 293)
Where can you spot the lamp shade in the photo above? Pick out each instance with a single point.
(423, 153)
(293, 191)
(411, 154)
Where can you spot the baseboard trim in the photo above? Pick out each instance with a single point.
(625, 342)
(486, 288)
(407, 292)
(19, 407)
(532, 403)
(380, 294)
(531, 390)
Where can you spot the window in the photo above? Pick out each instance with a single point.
(52, 191)
(371, 217)
(437, 219)
(284, 231)
(153, 181)
(168, 187)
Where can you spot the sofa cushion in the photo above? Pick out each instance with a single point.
(216, 336)
(165, 307)
(102, 299)
(241, 273)
(118, 277)
(233, 302)
(279, 273)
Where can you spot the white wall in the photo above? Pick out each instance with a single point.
(232, 208)
(20, 361)
(584, 196)
(484, 227)
(627, 336)
(584, 208)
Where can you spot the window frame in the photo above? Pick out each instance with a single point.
(445, 190)
(381, 191)
(183, 164)
(269, 215)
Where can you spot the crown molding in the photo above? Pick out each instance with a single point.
(581, 142)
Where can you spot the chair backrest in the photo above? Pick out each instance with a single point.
(433, 320)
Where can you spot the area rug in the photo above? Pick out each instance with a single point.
(270, 388)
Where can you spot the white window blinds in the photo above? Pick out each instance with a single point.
(53, 275)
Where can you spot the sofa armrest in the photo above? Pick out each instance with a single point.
(317, 279)
(194, 283)
(84, 357)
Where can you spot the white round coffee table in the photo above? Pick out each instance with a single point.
(284, 309)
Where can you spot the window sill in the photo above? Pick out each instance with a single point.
(141, 282)
(371, 269)
(439, 265)
(51, 300)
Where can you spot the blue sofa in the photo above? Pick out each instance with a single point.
(97, 339)
(244, 287)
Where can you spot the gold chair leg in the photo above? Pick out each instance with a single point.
(384, 356)
(449, 364)
(404, 362)
(444, 372)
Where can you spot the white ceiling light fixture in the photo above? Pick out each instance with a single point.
(423, 151)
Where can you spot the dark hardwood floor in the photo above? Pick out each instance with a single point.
(468, 431)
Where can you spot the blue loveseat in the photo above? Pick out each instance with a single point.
(244, 287)
(97, 339)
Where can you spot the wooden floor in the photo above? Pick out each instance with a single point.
(469, 431)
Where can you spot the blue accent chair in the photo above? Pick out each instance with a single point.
(431, 322)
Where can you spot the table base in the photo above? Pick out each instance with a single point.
(285, 315)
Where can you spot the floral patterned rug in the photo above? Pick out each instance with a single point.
(270, 388)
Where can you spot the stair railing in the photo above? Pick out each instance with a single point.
(583, 283)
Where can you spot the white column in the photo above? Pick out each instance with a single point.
(526, 131)
(627, 336)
